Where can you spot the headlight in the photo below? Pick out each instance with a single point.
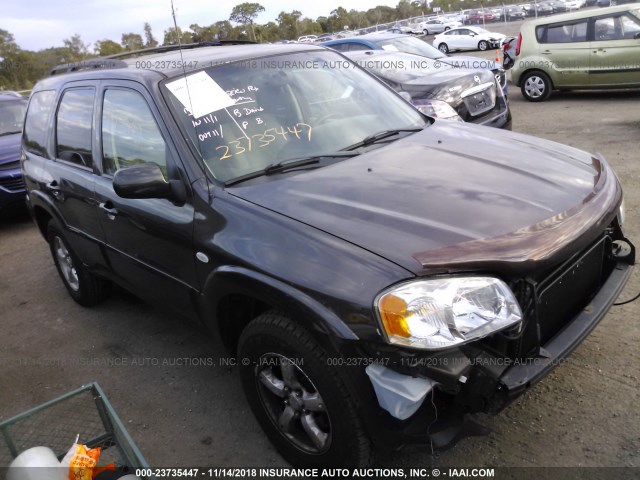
(437, 109)
(442, 313)
(622, 214)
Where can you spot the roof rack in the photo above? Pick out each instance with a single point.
(184, 46)
(111, 61)
(93, 63)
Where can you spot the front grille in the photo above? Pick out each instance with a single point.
(10, 165)
(13, 184)
(548, 304)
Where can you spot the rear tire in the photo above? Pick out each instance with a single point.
(536, 86)
(300, 399)
(84, 287)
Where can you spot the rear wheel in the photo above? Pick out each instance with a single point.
(83, 286)
(443, 47)
(536, 86)
(483, 45)
(300, 400)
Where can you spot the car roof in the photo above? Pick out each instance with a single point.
(582, 14)
(153, 67)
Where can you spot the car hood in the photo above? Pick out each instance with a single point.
(9, 148)
(454, 197)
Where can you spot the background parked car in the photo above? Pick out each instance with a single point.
(557, 6)
(537, 9)
(404, 43)
(440, 90)
(513, 13)
(467, 38)
(437, 25)
(479, 17)
(12, 111)
(583, 49)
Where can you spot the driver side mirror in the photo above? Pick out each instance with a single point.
(145, 180)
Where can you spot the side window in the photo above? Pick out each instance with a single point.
(630, 26)
(73, 126)
(354, 47)
(340, 47)
(37, 122)
(563, 32)
(607, 28)
(130, 134)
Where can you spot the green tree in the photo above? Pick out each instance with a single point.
(171, 36)
(150, 41)
(245, 14)
(288, 24)
(107, 47)
(76, 48)
(132, 41)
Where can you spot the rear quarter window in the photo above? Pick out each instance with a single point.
(569, 32)
(37, 122)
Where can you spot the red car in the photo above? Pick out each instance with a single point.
(481, 16)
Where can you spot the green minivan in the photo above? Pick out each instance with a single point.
(597, 48)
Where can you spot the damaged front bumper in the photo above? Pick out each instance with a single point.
(476, 377)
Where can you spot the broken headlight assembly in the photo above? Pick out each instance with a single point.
(441, 313)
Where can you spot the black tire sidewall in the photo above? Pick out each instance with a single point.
(343, 419)
(90, 289)
(547, 82)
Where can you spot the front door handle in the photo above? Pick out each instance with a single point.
(55, 190)
(107, 207)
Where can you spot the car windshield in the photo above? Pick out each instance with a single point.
(635, 12)
(410, 45)
(247, 116)
(12, 116)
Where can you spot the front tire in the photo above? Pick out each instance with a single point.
(483, 45)
(425, 32)
(300, 399)
(536, 86)
(83, 286)
(443, 47)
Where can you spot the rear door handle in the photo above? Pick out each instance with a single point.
(107, 207)
(546, 52)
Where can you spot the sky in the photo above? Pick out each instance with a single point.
(39, 24)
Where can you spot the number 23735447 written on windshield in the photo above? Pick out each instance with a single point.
(271, 136)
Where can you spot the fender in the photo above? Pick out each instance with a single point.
(229, 279)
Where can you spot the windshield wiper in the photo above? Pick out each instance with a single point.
(289, 164)
(376, 137)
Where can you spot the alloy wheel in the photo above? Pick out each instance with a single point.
(293, 403)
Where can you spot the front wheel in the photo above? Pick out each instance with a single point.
(536, 86)
(425, 32)
(483, 45)
(443, 47)
(298, 397)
